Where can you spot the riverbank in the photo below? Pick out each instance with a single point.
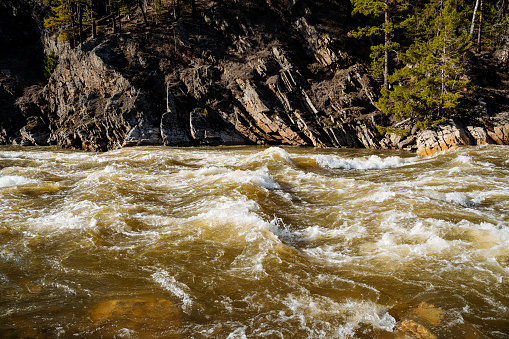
(227, 76)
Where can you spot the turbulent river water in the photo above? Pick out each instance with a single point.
(249, 242)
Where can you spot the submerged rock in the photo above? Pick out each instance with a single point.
(409, 329)
(137, 317)
(418, 322)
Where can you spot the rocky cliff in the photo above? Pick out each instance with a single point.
(226, 76)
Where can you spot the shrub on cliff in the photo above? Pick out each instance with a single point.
(50, 62)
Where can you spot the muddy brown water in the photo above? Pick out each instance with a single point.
(250, 242)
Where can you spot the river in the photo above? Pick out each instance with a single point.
(253, 242)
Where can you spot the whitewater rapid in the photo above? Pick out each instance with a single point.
(245, 242)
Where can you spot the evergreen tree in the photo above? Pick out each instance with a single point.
(431, 83)
(62, 19)
(69, 16)
(382, 11)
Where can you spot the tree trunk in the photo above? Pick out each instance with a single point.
(442, 80)
(386, 52)
(92, 16)
(73, 25)
(140, 4)
(479, 34)
(177, 8)
(119, 20)
(472, 25)
(80, 22)
(193, 8)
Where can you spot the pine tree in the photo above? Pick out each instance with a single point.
(63, 18)
(379, 9)
(431, 83)
(69, 16)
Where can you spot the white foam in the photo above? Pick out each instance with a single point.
(272, 154)
(464, 159)
(215, 176)
(380, 195)
(365, 163)
(126, 333)
(317, 232)
(239, 333)
(212, 170)
(277, 152)
(15, 180)
(351, 313)
(259, 177)
(461, 199)
(178, 289)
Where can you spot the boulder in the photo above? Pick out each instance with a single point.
(318, 44)
(480, 135)
(173, 131)
(500, 132)
(442, 138)
(143, 134)
(35, 135)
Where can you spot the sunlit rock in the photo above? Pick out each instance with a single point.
(409, 329)
(442, 138)
(500, 133)
(419, 322)
(480, 135)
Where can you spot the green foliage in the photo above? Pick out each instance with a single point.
(495, 23)
(426, 123)
(383, 13)
(60, 19)
(50, 63)
(67, 17)
(159, 8)
(431, 83)
(376, 69)
(388, 130)
(123, 6)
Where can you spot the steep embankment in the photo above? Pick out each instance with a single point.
(228, 76)
(21, 56)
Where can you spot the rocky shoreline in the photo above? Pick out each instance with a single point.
(226, 77)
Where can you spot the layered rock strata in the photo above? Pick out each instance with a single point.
(226, 77)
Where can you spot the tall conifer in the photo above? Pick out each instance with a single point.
(383, 11)
(431, 83)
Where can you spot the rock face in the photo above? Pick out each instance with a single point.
(94, 107)
(453, 134)
(20, 69)
(225, 77)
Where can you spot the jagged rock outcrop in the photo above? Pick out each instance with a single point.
(453, 134)
(237, 84)
(500, 132)
(227, 76)
(94, 107)
(441, 138)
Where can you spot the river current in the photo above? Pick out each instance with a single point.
(253, 242)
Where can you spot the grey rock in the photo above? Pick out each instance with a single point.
(208, 128)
